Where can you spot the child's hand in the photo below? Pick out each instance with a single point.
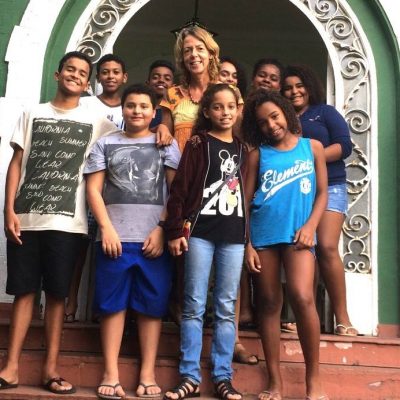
(12, 227)
(163, 136)
(304, 238)
(252, 260)
(153, 246)
(110, 242)
(178, 246)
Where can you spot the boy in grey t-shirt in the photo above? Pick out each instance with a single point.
(127, 178)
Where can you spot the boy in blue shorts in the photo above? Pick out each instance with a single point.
(127, 178)
(45, 212)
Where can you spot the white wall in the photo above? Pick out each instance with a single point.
(25, 52)
(392, 9)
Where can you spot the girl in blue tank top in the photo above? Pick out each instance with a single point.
(286, 194)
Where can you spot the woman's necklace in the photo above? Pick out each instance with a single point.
(191, 98)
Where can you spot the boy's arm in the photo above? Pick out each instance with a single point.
(305, 235)
(167, 119)
(165, 130)
(11, 221)
(109, 238)
(153, 246)
(163, 135)
(251, 256)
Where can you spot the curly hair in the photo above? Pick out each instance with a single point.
(251, 132)
(211, 46)
(310, 81)
(240, 73)
(268, 61)
(202, 123)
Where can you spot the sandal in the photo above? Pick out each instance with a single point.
(59, 381)
(345, 331)
(289, 327)
(69, 318)
(242, 356)
(145, 394)
(224, 388)
(268, 395)
(114, 396)
(185, 390)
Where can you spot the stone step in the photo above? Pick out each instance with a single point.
(341, 382)
(338, 350)
(352, 368)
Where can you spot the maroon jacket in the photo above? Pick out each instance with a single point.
(186, 191)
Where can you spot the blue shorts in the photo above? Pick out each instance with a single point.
(132, 281)
(337, 198)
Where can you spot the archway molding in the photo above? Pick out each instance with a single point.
(354, 95)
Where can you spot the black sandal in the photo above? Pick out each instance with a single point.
(188, 388)
(224, 388)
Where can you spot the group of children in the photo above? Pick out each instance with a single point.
(217, 203)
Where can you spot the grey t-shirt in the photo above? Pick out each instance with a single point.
(135, 190)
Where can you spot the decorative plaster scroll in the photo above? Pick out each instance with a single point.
(338, 29)
(354, 69)
(101, 24)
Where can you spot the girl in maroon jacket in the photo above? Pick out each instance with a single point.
(206, 203)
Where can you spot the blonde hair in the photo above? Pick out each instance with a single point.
(209, 42)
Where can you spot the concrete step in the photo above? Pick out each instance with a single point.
(338, 350)
(340, 382)
(352, 368)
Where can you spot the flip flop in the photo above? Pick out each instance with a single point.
(108, 396)
(47, 386)
(346, 330)
(270, 395)
(288, 327)
(69, 318)
(7, 385)
(244, 357)
(146, 395)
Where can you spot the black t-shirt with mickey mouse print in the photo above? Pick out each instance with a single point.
(222, 216)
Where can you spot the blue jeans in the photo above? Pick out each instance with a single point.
(228, 260)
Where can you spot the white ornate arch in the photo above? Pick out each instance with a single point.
(355, 95)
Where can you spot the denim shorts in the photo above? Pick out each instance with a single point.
(281, 246)
(337, 198)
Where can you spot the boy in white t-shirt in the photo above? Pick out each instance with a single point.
(45, 211)
(111, 74)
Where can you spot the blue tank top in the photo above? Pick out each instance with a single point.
(286, 190)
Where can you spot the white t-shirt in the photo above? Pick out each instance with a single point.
(56, 142)
(114, 114)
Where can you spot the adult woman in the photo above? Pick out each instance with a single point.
(197, 58)
(322, 122)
